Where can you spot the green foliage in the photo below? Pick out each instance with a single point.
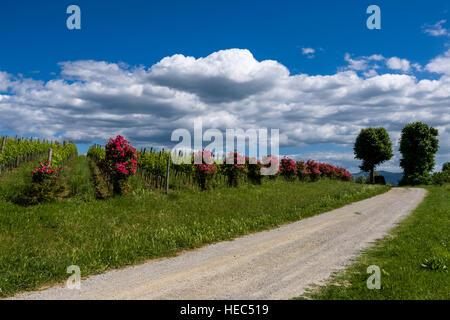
(373, 146)
(13, 184)
(46, 191)
(27, 184)
(435, 264)
(96, 153)
(234, 168)
(205, 171)
(361, 179)
(418, 145)
(15, 147)
(254, 171)
(78, 180)
(61, 153)
(25, 149)
(441, 178)
(155, 163)
(45, 186)
(446, 166)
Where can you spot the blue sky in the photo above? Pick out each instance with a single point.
(35, 41)
(35, 37)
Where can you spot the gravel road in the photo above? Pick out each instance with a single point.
(274, 264)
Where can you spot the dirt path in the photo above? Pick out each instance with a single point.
(275, 264)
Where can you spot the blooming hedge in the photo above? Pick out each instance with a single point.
(204, 172)
(254, 170)
(120, 162)
(288, 168)
(313, 171)
(234, 168)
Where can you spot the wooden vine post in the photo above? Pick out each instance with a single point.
(50, 153)
(17, 158)
(167, 173)
(3, 148)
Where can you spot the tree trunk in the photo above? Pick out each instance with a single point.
(372, 175)
(117, 189)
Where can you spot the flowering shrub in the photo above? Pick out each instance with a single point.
(254, 170)
(234, 168)
(120, 162)
(288, 168)
(314, 170)
(44, 186)
(44, 173)
(342, 174)
(332, 172)
(327, 170)
(205, 171)
(302, 171)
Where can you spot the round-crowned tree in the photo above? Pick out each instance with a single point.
(418, 145)
(373, 146)
(446, 167)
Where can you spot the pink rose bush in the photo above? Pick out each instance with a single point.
(302, 170)
(313, 171)
(332, 172)
(44, 186)
(288, 168)
(254, 170)
(45, 172)
(120, 162)
(205, 171)
(234, 168)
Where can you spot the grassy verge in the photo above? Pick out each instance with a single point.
(38, 243)
(13, 182)
(413, 259)
(77, 179)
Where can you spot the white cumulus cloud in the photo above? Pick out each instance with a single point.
(94, 100)
(396, 63)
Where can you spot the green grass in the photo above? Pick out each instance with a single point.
(77, 179)
(13, 183)
(38, 243)
(414, 258)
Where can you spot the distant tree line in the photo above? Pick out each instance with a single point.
(418, 146)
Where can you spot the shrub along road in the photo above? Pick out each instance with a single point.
(276, 264)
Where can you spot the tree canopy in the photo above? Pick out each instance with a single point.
(373, 146)
(418, 145)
